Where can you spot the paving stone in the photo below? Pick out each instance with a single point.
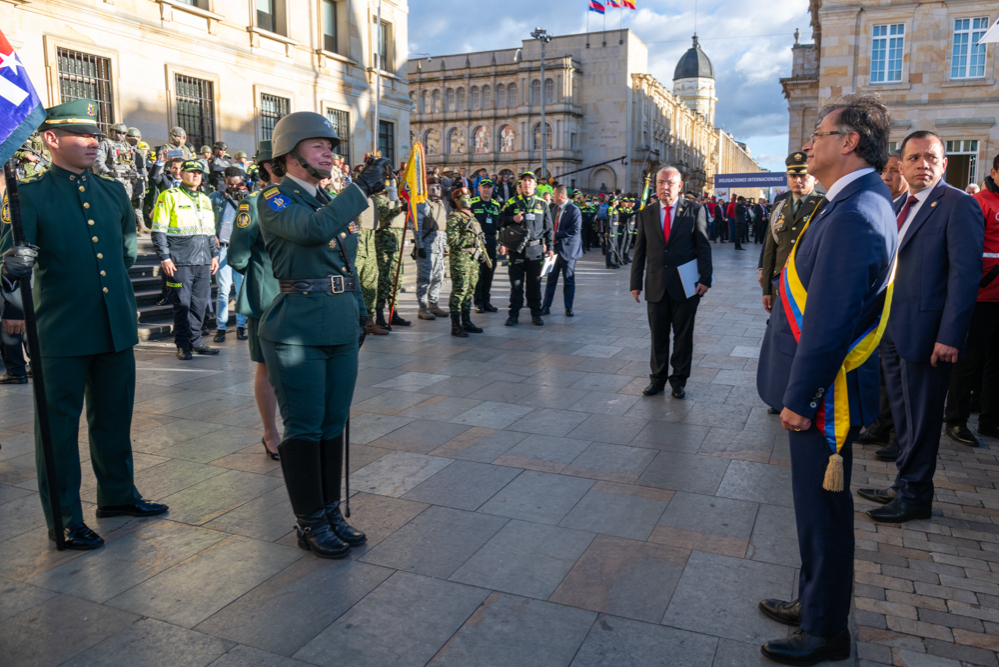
(28, 639)
(538, 496)
(396, 473)
(246, 656)
(16, 597)
(554, 397)
(420, 436)
(149, 642)
(626, 643)
(288, 610)
(672, 436)
(748, 445)
(685, 472)
(491, 414)
(775, 537)
(440, 408)
(190, 592)
(757, 482)
(511, 630)
(370, 426)
(389, 402)
(462, 485)
(436, 543)
(544, 453)
(371, 634)
(411, 381)
(706, 523)
(524, 558)
(546, 421)
(608, 428)
(484, 445)
(616, 463)
(202, 502)
(623, 578)
(717, 592)
(266, 518)
(605, 403)
(616, 509)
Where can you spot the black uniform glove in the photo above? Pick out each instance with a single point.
(421, 253)
(371, 180)
(18, 262)
(364, 331)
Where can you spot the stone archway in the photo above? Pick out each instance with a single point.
(603, 179)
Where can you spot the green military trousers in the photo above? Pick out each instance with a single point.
(314, 387)
(387, 244)
(367, 268)
(464, 276)
(107, 381)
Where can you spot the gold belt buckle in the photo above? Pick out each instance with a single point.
(334, 281)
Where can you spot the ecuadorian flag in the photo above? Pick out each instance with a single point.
(21, 111)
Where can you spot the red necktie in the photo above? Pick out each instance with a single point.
(555, 231)
(666, 224)
(904, 213)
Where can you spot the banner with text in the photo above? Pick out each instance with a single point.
(763, 179)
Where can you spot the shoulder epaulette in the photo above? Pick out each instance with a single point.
(34, 178)
(106, 178)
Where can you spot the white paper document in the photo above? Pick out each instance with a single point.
(689, 277)
(547, 266)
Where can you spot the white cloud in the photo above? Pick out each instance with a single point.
(749, 45)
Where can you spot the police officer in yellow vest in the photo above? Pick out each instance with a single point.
(81, 228)
(311, 332)
(532, 212)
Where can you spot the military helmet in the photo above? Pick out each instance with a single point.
(178, 132)
(119, 127)
(220, 145)
(240, 154)
(134, 132)
(298, 126)
(263, 152)
(205, 149)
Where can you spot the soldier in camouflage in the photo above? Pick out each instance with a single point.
(115, 158)
(33, 157)
(217, 164)
(388, 239)
(429, 251)
(140, 182)
(177, 147)
(466, 242)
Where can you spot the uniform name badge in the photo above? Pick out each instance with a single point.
(489, 220)
(529, 216)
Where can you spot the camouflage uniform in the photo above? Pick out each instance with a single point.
(430, 269)
(116, 159)
(366, 263)
(464, 239)
(26, 167)
(387, 242)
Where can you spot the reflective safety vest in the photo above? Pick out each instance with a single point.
(179, 212)
(989, 201)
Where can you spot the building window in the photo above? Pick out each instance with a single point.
(196, 110)
(549, 91)
(266, 15)
(386, 139)
(83, 76)
(329, 26)
(501, 96)
(886, 53)
(572, 141)
(480, 139)
(456, 141)
(476, 103)
(432, 142)
(272, 109)
(537, 136)
(511, 95)
(423, 102)
(487, 103)
(507, 139)
(461, 100)
(340, 120)
(437, 101)
(449, 95)
(384, 33)
(535, 92)
(962, 163)
(968, 57)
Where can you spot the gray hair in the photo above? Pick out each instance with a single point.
(868, 116)
(667, 169)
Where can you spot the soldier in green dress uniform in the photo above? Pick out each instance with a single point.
(81, 228)
(248, 256)
(466, 243)
(311, 332)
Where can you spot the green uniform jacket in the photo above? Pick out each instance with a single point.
(786, 229)
(84, 226)
(304, 239)
(248, 256)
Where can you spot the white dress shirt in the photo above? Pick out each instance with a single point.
(672, 214)
(844, 181)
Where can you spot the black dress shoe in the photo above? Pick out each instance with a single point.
(989, 431)
(8, 378)
(880, 496)
(546, 311)
(961, 433)
(899, 512)
(868, 438)
(141, 508)
(241, 333)
(512, 321)
(771, 411)
(678, 392)
(537, 321)
(219, 336)
(568, 312)
(80, 538)
(788, 613)
(802, 648)
(162, 302)
(204, 349)
(653, 388)
(184, 353)
(889, 452)
(490, 308)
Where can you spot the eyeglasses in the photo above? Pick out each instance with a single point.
(824, 134)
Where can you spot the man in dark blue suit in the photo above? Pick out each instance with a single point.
(568, 248)
(941, 233)
(843, 260)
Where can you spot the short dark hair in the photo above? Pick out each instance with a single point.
(895, 153)
(868, 116)
(995, 162)
(921, 134)
(176, 159)
(229, 172)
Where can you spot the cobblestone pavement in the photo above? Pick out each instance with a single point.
(525, 505)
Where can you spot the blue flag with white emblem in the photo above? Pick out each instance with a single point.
(21, 111)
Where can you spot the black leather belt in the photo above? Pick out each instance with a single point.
(534, 242)
(327, 285)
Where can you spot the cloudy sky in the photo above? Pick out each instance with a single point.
(748, 43)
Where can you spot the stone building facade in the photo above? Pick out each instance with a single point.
(222, 69)
(609, 123)
(922, 57)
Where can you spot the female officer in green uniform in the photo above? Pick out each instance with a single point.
(309, 334)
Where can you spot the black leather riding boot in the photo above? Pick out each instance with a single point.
(301, 465)
(331, 452)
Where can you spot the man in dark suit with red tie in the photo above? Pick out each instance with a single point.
(568, 248)
(941, 233)
(671, 233)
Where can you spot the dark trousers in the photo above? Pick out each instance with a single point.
(107, 381)
(12, 351)
(825, 533)
(189, 291)
(916, 392)
(721, 229)
(736, 233)
(483, 288)
(605, 244)
(884, 426)
(980, 360)
(758, 236)
(679, 316)
(568, 269)
(523, 271)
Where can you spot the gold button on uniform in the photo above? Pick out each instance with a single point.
(83, 189)
(94, 239)
(103, 273)
(100, 256)
(90, 222)
(86, 204)
(105, 290)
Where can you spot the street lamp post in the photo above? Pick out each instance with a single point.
(378, 76)
(542, 34)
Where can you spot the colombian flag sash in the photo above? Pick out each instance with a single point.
(833, 415)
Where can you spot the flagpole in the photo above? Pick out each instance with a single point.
(31, 329)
